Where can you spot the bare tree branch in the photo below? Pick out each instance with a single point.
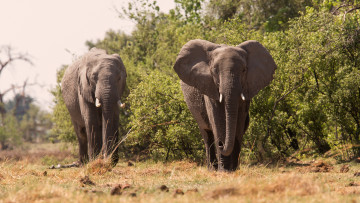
(11, 56)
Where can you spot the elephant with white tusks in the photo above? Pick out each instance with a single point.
(91, 88)
(218, 82)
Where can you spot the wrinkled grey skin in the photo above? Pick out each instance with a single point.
(208, 70)
(95, 76)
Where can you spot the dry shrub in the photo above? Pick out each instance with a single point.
(320, 166)
(86, 181)
(317, 167)
(99, 166)
(345, 168)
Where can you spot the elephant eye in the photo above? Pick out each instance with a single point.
(215, 71)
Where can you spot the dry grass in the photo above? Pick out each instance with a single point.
(29, 179)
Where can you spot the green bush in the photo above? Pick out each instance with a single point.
(10, 135)
(161, 124)
(311, 105)
(62, 125)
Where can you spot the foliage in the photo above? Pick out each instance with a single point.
(191, 9)
(265, 15)
(35, 124)
(302, 103)
(311, 105)
(161, 124)
(9, 132)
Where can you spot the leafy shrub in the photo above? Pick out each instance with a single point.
(10, 135)
(63, 128)
(161, 125)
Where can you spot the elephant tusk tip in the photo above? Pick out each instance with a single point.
(97, 103)
(242, 96)
(221, 96)
(122, 105)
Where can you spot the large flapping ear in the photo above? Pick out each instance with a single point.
(85, 88)
(260, 67)
(193, 66)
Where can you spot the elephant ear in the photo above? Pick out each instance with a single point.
(193, 66)
(260, 67)
(85, 87)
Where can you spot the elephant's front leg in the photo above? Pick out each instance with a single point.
(93, 129)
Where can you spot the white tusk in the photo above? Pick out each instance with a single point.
(242, 96)
(220, 98)
(97, 103)
(122, 105)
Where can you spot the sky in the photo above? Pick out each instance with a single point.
(52, 33)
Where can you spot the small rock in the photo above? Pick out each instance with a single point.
(45, 173)
(116, 190)
(344, 169)
(130, 163)
(178, 192)
(86, 181)
(357, 174)
(352, 184)
(126, 186)
(132, 194)
(164, 188)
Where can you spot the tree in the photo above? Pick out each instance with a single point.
(9, 132)
(8, 56)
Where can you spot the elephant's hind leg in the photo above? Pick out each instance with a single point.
(83, 145)
(210, 149)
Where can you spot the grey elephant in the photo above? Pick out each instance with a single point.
(218, 82)
(91, 88)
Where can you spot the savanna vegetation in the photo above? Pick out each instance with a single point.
(311, 108)
(21, 120)
(302, 144)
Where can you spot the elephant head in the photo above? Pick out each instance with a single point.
(101, 82)
(226, 74)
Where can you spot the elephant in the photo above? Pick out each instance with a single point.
(91, 88)
(218, 82)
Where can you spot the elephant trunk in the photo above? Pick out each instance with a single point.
(110, 122)
(231, 95)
